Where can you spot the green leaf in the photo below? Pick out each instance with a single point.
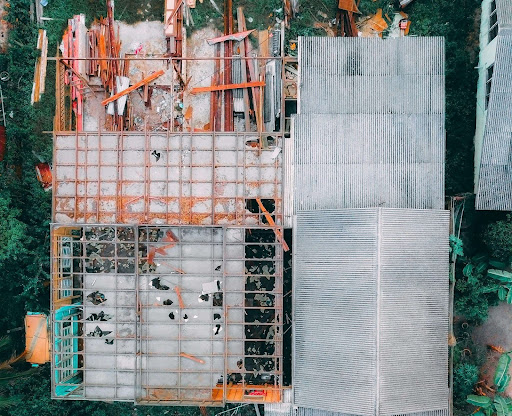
(456, 245)
(501, 406)
(498, 264)
(502, 293)
(504, 384)
(481, 267)
(500, 275)
(468, 270)
(481, 401)
(500, 376)
(509, 296)
(479, 258)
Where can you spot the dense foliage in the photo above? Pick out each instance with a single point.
(498, 239)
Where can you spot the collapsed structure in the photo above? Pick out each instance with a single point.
(167, 247)
(493, 164)
(169, 210)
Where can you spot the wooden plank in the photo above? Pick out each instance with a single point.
(168, 21)
(241, 35)
(139, 84)
(228, 87)
(191, 357)
(273, 224)
(243, 63)
(263, 42)
(180, 299)
(252, 75)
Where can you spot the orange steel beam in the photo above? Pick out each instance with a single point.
(191, 357)
(180, 299)
(228, 87)
(139, 84)
(270, 220)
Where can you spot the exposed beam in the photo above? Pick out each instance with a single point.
(228, 87)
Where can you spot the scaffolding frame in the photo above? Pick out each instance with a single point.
(119, 261)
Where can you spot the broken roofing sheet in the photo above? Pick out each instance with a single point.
(167, 315)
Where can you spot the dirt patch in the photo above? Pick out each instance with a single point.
(200, 74)
(497, 331)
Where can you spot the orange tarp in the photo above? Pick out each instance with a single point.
(348, 5)
(37, 344)
(374, 26)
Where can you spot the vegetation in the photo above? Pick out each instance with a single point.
(498, 239)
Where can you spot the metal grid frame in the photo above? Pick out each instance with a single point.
(121, 257)
(201, 179)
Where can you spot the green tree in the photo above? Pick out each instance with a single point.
(498, 238)
(12, 231)
(465, 376)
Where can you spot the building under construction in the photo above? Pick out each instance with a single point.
(179, 177)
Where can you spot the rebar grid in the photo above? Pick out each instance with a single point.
(165, 178)
(144, 362)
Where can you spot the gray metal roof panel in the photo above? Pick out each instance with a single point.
(504, 12)
(494, 190)
(358, 161)
(371, 311)
(371, 75)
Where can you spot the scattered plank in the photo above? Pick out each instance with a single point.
(191, 357)
(139, 84)
(40, 67)
(270, 220)
(180, 299)
(243, 62)
(228, 87)
(235, 36)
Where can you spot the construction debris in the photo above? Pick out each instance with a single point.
(40, 69)
(193, 358)
(373, 26)
(404, 3)
(348, 5)
(228, 87)
(128, 90)
(37, 344)
(345, 20)
(44, 175)
(235, 36)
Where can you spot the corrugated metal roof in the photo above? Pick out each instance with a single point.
(504, 11)
(358, 161)
(284, 409)
(371, 311)
(370, 131)
(494, 189)
(371, 76)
